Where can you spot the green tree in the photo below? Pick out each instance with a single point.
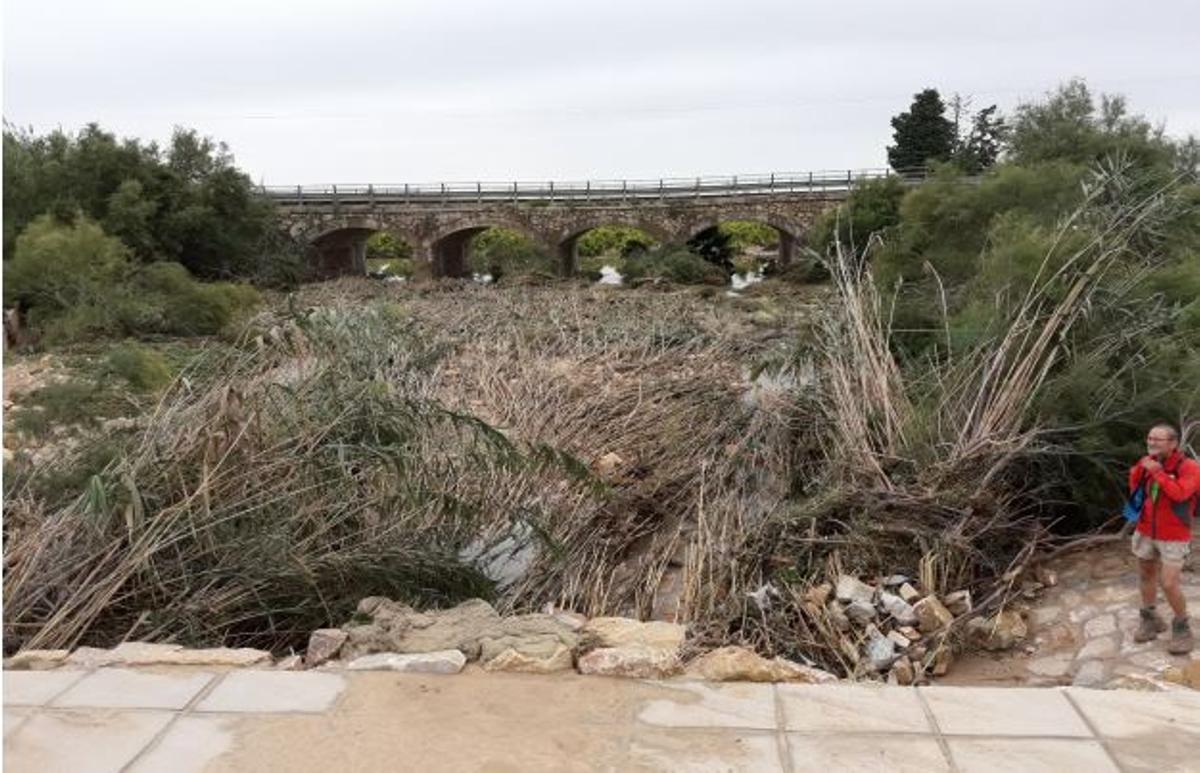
(187, 203)
(980, 147)
(922, 134)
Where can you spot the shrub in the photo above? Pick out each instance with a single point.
(144, 369)
(76, 283)
(676, 264)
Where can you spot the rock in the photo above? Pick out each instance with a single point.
(1140, 682)
(560, 658)
(837, 616)
(850, 588)
(533, 637)
(819, 594)
(613, 632)
(895, 579)
(1051, 666)
(909, 593)
(900, 610)
(1000, 632)
(572, 620)
(1046, 615)
(941, 661)
(902, 671)
(860, 612)
(636, 661)
(1058, 636)
(1098, 648)
(443, 662)
(931, 615)
(1090, 674)
(1100, 626)
(398, 628)
(290, 663)
(323, 644)
(147, 654)
(1188, 675)
(912, 634)
(881, 652)
(958, 602)
(36, 660)
(608, 464)
(739, 664)
(901, 641)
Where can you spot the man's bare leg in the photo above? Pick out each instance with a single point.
(1171, 578)
(1148, 580)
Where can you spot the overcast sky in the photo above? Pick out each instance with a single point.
(357, 91)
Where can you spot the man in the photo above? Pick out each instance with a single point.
(1169, 481)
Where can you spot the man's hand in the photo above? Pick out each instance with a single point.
(1151, 465)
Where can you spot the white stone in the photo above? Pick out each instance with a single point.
(1090, 674)
(1052, 665)
(900, 610)
(850, 588)
(1098, 648)
(1045, 615)
(151, 654)
(442, 662)
(1100, 626)
(36, 660)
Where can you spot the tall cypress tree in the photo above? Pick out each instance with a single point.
(922, 134)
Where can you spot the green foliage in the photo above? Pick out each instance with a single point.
(871, 208)
(385, 245)
(142, 368)
(922, 134)
(675, 264)
(74, 282)
(502, 251)
(186, 203)
(980, 148)
(744, 234)
(1070, 126)
(613, 241)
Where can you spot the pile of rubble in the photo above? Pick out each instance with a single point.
(893, 630)
(387, 635)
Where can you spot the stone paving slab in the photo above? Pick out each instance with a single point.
(317, 721)
(124, 688)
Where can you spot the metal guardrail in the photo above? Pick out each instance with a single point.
(674, 188)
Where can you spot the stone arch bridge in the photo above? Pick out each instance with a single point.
(439, 220)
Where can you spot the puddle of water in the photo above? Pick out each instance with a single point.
(483, 279)
(742, 281)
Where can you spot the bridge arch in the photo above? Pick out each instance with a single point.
(790, 235)
(450, 249)
(567, 240)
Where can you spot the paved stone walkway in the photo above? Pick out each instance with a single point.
(181, 719)
(1081, 629)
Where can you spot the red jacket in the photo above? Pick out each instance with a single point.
(1170, 505)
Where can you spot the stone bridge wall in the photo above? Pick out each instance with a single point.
(440, 235)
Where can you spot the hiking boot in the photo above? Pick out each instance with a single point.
(1181, 637)
(1152, 625)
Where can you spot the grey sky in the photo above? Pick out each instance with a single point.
(355, 91)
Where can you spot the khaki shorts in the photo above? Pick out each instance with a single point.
(1168, 551)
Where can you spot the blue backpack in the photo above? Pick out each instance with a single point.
(1133, 506)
